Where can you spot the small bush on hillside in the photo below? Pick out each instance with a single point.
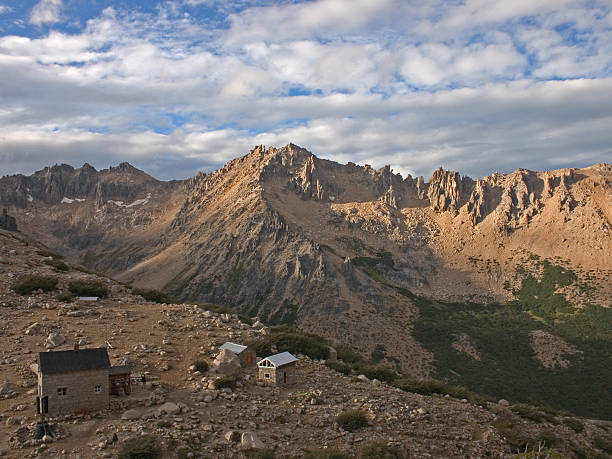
(533, 413)
(65, 297)
(286, 339)
(145, 447)
(214, 308)
(506, 428)
(258, 454)
(347, 355)
(574, 424)
(604, 444)
(380, 450)
(88, 288)
(153, 295)
(325, 454)
(57, 264)
(201, 366)
(380, 372)
(29, 283)
(226, 381)
(48, 253)
(339, 367)
(352, 420)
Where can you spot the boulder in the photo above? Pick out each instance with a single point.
(258, 325)
(34, 329)
(226, 362)
(503, 402)
(250, 440)
(130, 414)
(55, 339)
(333, 354)
(5, 388)
(169, 408)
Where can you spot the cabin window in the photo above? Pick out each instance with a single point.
(266, 375)
(97, 389)
(61, 391)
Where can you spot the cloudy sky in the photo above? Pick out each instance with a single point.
(184, 85)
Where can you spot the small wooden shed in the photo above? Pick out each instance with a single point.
(119, 380)
(277, 369)
(246, 354)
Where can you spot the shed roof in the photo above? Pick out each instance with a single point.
(235, 348)
(120, 370)
(66, 361)
(279, 360)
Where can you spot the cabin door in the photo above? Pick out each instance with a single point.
(249, 359)
(284, 377)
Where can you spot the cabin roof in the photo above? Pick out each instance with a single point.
(67, 361)
(279, 360)
(235, 348)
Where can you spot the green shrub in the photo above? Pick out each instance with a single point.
(506, 428)
(29, 283)
(226, 381)
(288, 339)
(201, 366)
(603, 444)
(145, 447)
(574, 424)
(548, 439)
(258, 454)
(380, 372)
(48, 253)
(380, 450)
(57, 264)
(86, 287)
(164, 424)
(153, 295)
(214, 308)
(325, 454)
(533, 413)
(347, 355)
(340, 367)
(65, 297)
(433, 386)
(352, 420)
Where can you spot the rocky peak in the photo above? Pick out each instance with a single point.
(448, 190)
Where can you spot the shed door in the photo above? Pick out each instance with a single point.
(284, 377)
(249, 358)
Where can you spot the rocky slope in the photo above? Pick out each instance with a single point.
(343, 250)
(190, 418)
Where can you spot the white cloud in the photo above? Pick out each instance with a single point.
(46, 12)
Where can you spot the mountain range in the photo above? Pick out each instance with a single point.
(502, 283)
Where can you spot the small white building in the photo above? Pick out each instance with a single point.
(277, 369)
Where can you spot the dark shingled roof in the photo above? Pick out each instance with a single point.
(66, 361)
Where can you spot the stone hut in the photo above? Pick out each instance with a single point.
(246, 354)
(79, 381)
(277, 369)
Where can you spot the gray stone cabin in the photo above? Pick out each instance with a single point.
(246, 354)
(277, 369)
(76, 381)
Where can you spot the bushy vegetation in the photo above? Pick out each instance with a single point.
(88, 287)
(201, 366)
(340, 367)
(48, 253)
(325, 454)
(153, 295)
(145, 447)
(380, 372)
(65, 297)
(226, 381)
(296, 342)
(352, 420)
(380, 450)
(534, 413)
(57, 264)
(28, 283)
(432, 386)
(212, 307)
(575, 424)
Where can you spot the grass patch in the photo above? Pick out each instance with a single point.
(87, 287)
(155, 296)
(258, 454)
(28, 283)
(352, 420)
(145, 447)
